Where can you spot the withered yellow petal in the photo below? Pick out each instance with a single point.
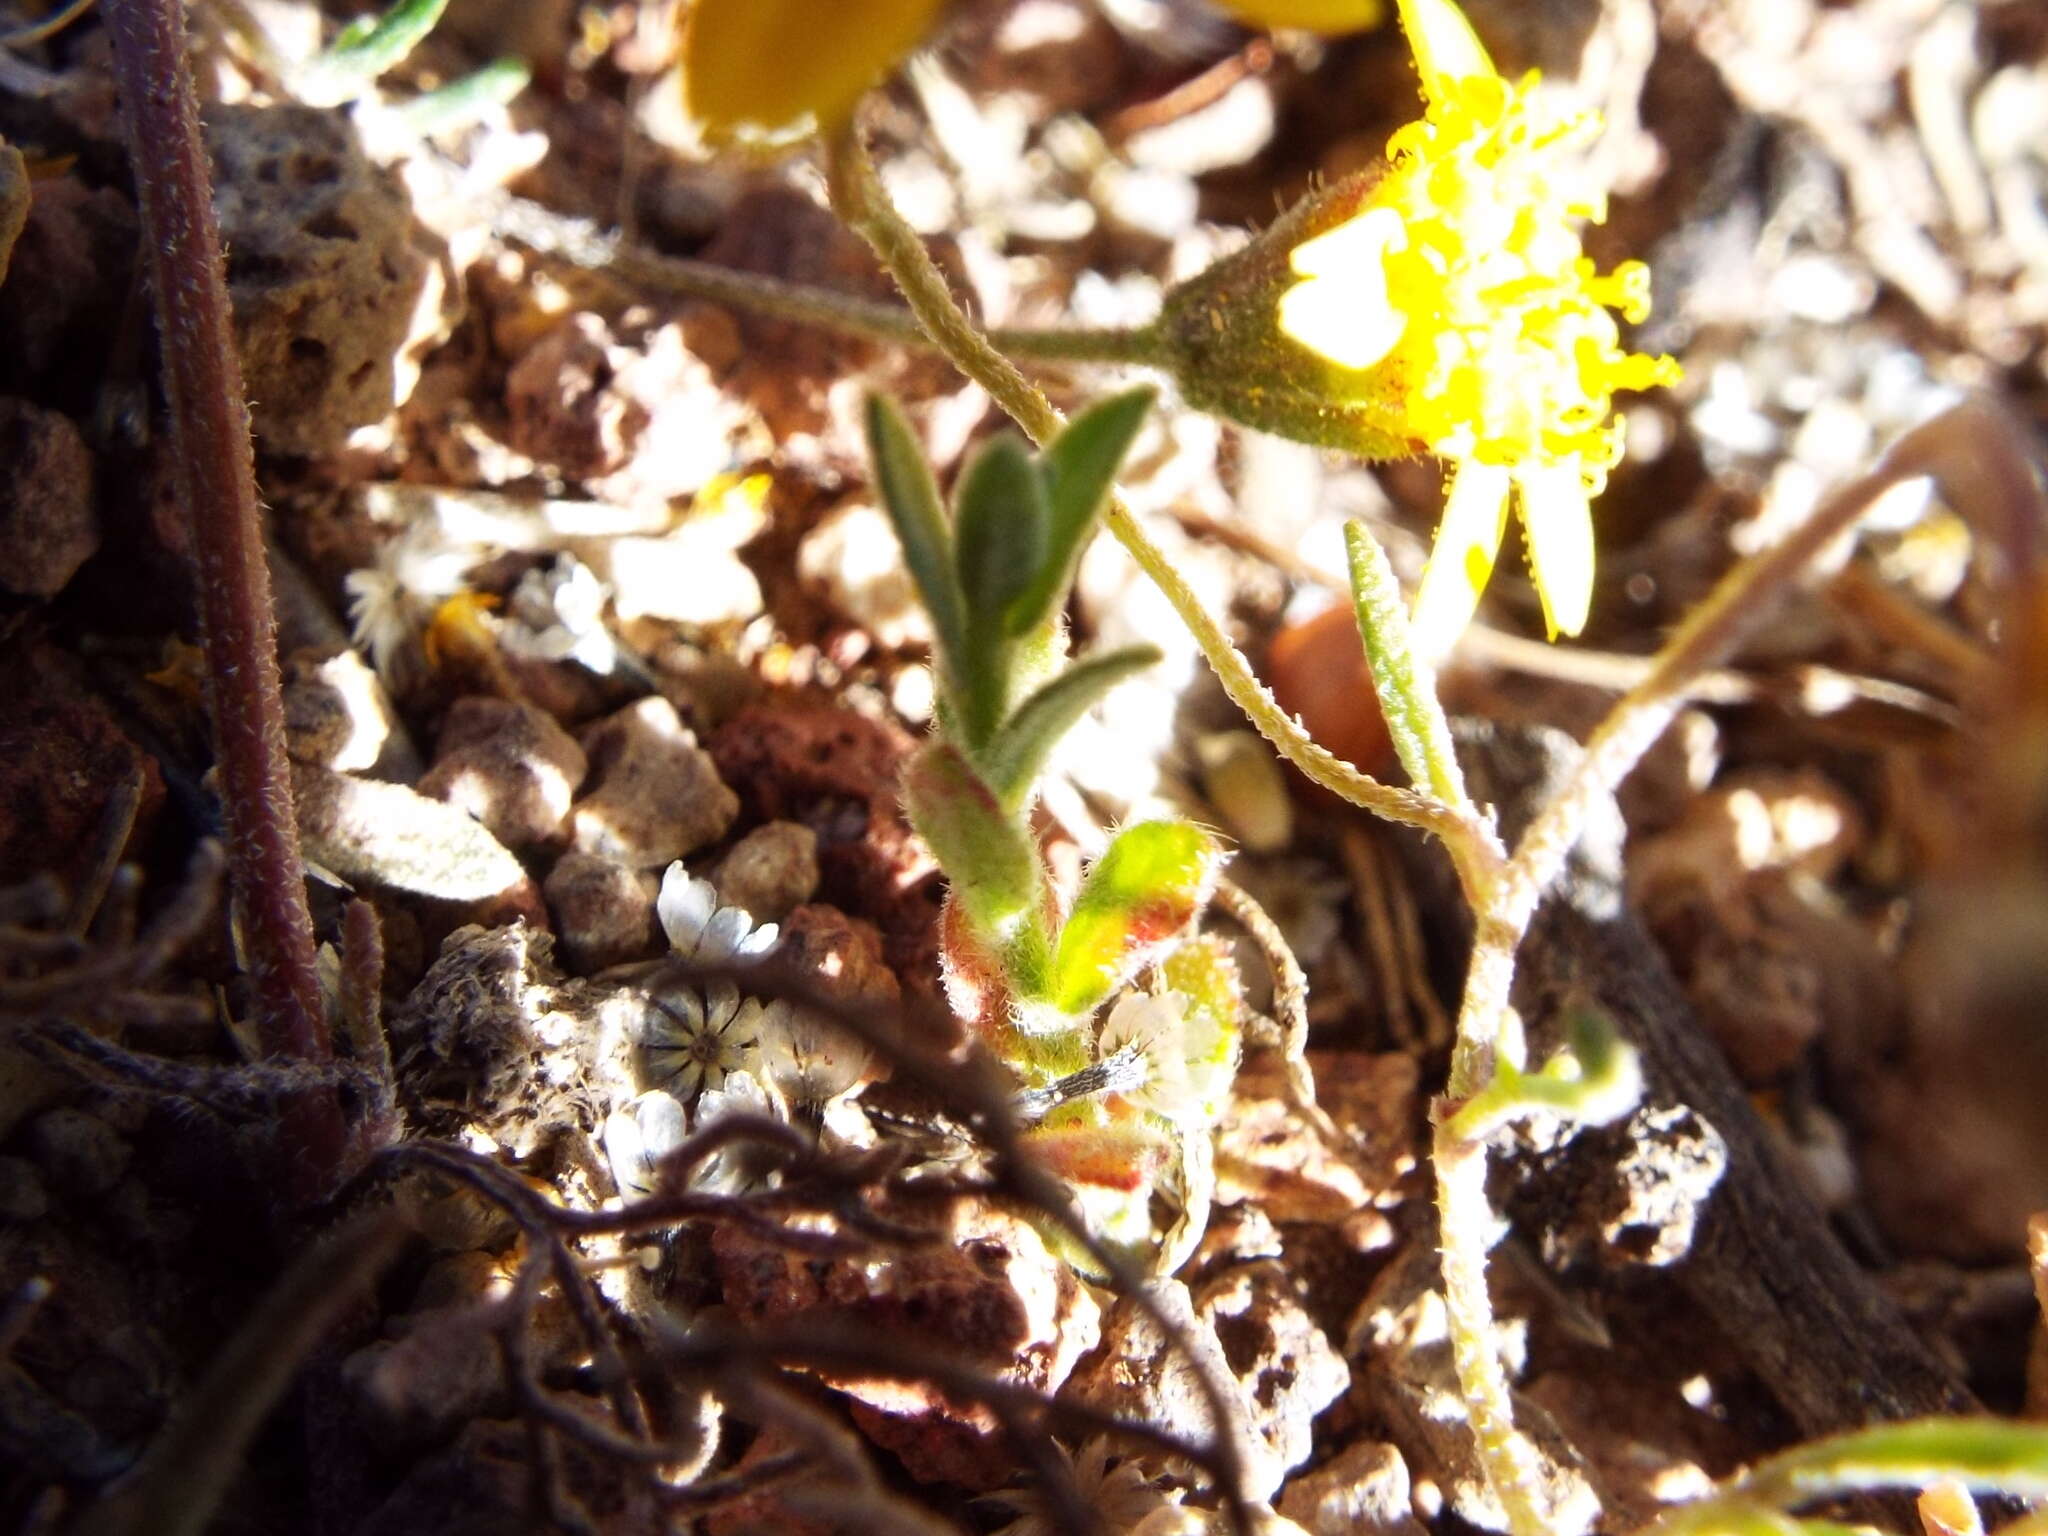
(1461, 560)
(1559, 522)
(775, 65)
(1329, 17)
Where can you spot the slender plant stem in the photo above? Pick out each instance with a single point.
(583, 244)
(1466, 1221)
(216, 481)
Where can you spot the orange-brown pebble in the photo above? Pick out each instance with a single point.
(1317, 670)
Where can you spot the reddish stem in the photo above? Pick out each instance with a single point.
(216, 480)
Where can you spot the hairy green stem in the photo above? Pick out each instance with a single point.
(583, 244)
(215, 474)
(1466, 1221)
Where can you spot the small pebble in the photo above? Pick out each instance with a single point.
(655, 795)
(336, 713)
(510, 766)
(24, 1197)
(391, 837)
(48, 528)
(603, 911)
(770, 872)
(1361, 1490)
(82, 1155)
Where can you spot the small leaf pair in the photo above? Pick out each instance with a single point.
(995, 576)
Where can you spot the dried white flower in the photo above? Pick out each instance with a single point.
(1120, 1495)
(389, 601)
(556, 613)
(731, 1169)
(692, 1039)
(380, 615)
(638, 1136)
(703, 933)
(807, 1058)
(1153, 1027)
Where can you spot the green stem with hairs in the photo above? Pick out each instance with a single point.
(583, 244)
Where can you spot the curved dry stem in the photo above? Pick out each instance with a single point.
(1973, 449)
(1290, 1002)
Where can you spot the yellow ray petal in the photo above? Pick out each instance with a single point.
(771, 64)
(1329, 17)
(1447, 50)
(1475, 517)
(1559, 522)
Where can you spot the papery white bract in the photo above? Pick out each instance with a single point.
(729, 1170)
(807, 1058)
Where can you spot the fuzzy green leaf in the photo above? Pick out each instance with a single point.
(1016, 756)
(1595, 1080)
(1000, 518)
(1139, 895)
(1405, 684)
(1079, 467)
(911, 498)
(989, 858)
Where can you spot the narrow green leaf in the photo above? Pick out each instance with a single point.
(1000, 519)
(463, 100)
(1146, 887)
(1405, 684)
(988, 856)
(1016, 755)
(1079, 467)
(1985, 1455)
(910, 496)
(367, 47)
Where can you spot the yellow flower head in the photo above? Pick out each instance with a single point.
(1460, 297)
(777, 67)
